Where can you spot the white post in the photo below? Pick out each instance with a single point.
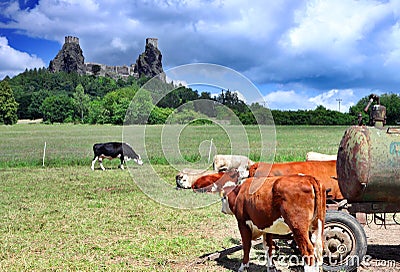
(209, 152)
(44, 153)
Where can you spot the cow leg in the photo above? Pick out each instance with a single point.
(121, 165)
(101, 164)
(245, 233)
(308, 268)
(298, 222)
(306, 249)
(268, 246)
(316, 239)
(94, 161)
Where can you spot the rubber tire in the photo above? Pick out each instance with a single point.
(347, 222)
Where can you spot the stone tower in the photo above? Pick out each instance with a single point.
(71, 39)
(152, 41)
(70, 58)
(149, 63)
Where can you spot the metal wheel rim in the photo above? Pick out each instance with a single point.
(339, 244)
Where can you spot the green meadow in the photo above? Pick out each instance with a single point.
(64, 217)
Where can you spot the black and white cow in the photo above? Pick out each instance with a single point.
(113, 150)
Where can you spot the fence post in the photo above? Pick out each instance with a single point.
(44, 153)
(209, 152)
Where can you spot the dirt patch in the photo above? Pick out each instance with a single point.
(28, 121)
(383, 252)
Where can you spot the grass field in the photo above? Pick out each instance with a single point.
(69, 145)
(65, 217)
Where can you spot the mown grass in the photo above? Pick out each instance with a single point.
(65, 217)
(71, 218)
(68, 145)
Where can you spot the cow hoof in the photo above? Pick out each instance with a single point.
(313, 268)
(243, 267)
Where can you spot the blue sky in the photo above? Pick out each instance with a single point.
(299, 54)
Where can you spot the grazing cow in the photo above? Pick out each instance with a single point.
(315, 156)
(215, 182)
(113, 150)
(227, 162)
(185, 178)
(281, 205)
(324, 171)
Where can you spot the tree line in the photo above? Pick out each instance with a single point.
(69, 97)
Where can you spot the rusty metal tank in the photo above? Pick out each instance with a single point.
(368, 164)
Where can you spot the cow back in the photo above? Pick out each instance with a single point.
(264, 206)
(214, 182)
(324, 171)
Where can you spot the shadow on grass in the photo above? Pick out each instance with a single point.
(230, 260)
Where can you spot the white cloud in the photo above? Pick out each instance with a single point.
(332, 98)
(287, 100)
(334, 25)
(293, 100)
(14, 61)
(318, 44)
(119, 44)
(240, 96)
(177, 82)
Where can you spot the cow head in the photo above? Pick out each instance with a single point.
(138, 160)
(230, 177)
(225, 193)
(130, 154)
(182, 181)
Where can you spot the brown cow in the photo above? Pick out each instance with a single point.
(282, 205)
(185, 178)
(324, 171)
(215, 182)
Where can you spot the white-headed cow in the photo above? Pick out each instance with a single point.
(113, 150)
(228, 162)
(185, 178)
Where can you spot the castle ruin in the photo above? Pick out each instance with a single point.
(59, 63)
(152, 41)
(71, 39)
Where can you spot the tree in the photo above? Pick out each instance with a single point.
(231, 100)
(97, 113)
(392, 103)
(178, 97)
(159, 115)
(140, 109)
(116, 104)
(81, 101)
(8, 105)
(205, 104)
(36, 101)
(57, 108)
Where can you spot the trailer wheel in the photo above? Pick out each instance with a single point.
(345, 242)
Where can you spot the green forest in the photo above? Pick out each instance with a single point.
(68, 97)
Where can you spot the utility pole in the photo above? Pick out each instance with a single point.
(339, 100)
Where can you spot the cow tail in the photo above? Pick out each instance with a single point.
(318, 219)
